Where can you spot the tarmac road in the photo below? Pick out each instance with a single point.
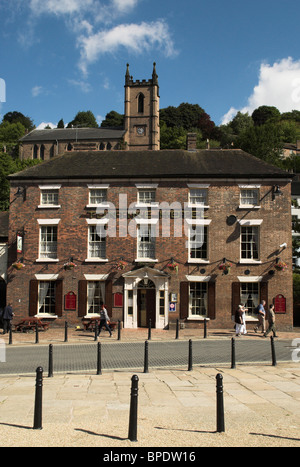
(130, 355)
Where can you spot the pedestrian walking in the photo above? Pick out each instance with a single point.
(104, 320)
(271, 319)
(7, 318)
(238, 321)
(261, 317)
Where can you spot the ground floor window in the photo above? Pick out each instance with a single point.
(95, 296)
(250, 296)
(46, 303)
(198, 299)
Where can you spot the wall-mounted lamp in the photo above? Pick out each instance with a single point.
(146, 279)
(21, 192)
(276, 191)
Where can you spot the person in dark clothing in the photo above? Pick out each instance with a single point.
(7, 317)
(104, 319)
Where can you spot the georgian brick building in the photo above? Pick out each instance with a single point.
(140, 132)
(157, 235)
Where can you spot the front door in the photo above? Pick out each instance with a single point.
(146, 307)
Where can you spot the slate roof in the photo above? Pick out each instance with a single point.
(152, 164)
(72, 134)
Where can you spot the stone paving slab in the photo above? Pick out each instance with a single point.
(176, 408)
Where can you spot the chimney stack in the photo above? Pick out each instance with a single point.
(192, 141)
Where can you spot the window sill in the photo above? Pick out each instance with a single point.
(249, 261)
(198, 261)
(198, 318)
(45, 315)
(249, 206)
(146, 260)
(46, 260)
(95, 260)
(49, 206)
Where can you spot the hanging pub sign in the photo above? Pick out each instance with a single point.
(280, 304)
(70, 301)
(19, 244)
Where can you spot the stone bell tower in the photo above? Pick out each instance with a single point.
(142, 113)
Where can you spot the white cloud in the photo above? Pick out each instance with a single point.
(42, 125)
(278, 86)
(36, 91)
(124, 5)
(60, 7)
(82, 85)
(136, 38)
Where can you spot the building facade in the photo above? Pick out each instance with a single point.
(160, 235)
(141, 127)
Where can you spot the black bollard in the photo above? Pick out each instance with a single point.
(149, 330)
(177, 329)
(205, 328)
(36, 333)
(274, 362)
(10, 335)
(190, 367)
(50, 367)
(119, 330)
(96, 331)
(132, 431)
(37, 424)
(66, 331)
(146, 359)
(233, 352)
(220, 405)
(99, 364)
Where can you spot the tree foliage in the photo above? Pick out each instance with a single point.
(84, 119)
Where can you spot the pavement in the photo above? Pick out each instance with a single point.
(176, 407)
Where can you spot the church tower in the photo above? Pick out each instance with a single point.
(142, 113)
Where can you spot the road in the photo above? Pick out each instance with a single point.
(119, 355)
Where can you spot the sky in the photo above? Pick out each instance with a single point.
(58, 57)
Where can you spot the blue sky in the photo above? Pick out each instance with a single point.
(61, 56)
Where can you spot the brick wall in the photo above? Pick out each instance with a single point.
(224, 241)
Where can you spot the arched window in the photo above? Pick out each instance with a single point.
(108, 147)
(42, 152)
(35, 151)
(102, 147)
(141, 103)
(69, 147)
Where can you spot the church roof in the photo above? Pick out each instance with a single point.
(73, 134)
(152, 164)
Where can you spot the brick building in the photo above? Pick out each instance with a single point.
(157, 235)
(140, 132)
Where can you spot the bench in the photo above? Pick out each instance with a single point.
(29, 324)
(89, 324)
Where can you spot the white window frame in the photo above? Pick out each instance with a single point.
(253, 188)
(103, 204)
(150, 226)
(251, 223)
(50, 188)
(194, 223)
(101, 223)
(47, 223)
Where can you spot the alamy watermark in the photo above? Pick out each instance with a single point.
(2, 351)
(2, 91)
(153, 220)
(296, 351)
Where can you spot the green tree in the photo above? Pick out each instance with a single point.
(112, 120)
(84, 119)
(18, 117)
(264, 114)
(264, 142)
(61, 124)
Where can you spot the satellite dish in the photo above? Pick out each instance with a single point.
(231, 220)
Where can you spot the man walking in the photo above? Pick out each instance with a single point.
(271, 319)
(7, 317)
(261, 317)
